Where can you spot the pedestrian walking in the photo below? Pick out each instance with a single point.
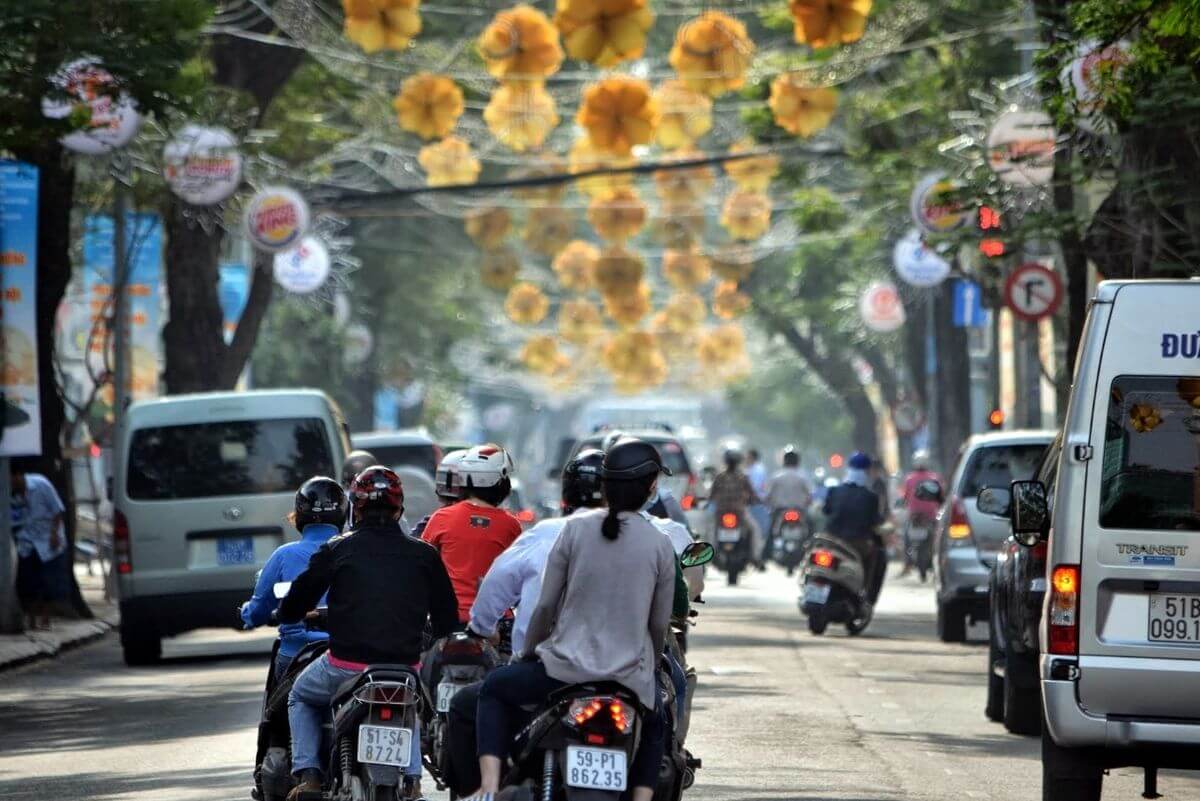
(41, 546)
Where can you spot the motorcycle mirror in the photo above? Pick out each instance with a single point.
(994, 501)
(281, 589)
(697, 554)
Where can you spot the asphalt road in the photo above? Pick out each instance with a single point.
(780, 714)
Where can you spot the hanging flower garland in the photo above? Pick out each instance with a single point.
(526, 304)
(733, 264)
(428, 105)
(541, 194)
(540, 355)
(712, 53)
(729, 302)
(721, 346)
(680, 225)
(618, 215)
(822, 23)
(499, 268)
(521, 115)
(575, 264)
(686, 269)
(684, 312)
(449, 162)
(752, 173)
(618, 114)
(376, 25)
(604, 32)
(746, 215)
(799, 109)
(684, 185)
(520, 44)
(686, 115)
(548, 230)
(579, 322)
(627, 309)
(488, 227)
(618, 271)
(583, 157)
(634, 360)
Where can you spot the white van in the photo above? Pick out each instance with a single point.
(201, 503)
(1120, 630)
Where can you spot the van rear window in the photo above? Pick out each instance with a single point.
(999, 466)
(242, 457)
(1151, 470)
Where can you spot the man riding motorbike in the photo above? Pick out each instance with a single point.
(851, 515)
(383, 586)
(787, 489)
(731, 493)
(920, 512)
(447, 485)
(471, 534)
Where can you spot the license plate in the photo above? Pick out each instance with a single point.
(596, 768)
(729, 535)
(446, 691)
(384, 745)
(816, 593)
(1174, 618)
(235, 551)
(918, 534)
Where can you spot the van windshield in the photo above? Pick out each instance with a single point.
(241, 457)
(1151, 472)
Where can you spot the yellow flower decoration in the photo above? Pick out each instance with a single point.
(526, 304)
(488, 227)
(684, 312)
(711, 53)
(376, 25)
(542, 194)
(579, 322)
(747, 215)
(684, 185)
(548, 230)
(428, 105)
(733, 264)
(686, 115)
(752, 173)
(499, 268)
(540, 354)
(801, 110)
(575, 264)
(583, 157)
(628, 308)
(618, 215)
(618, 271)
(821, 23)
(521, 115)
(729, 302)
(675, 341)
(634, 360)
(679, 225)
(520, 44)
(1144, 417)
(449, 162)
(618, 113)
(722, 345)
(685, 269)
(604, 32)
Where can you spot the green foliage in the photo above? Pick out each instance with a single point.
(310, 114)
(783, 403)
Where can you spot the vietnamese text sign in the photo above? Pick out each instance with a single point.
(22, 423)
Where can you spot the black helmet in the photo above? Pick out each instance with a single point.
(630, 458)
(732, 456)
(581, 481)
(321, 500)
(355, 463)
(791, 456)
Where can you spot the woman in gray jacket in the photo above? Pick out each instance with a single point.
(602, 616)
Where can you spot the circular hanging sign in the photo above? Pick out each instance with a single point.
(359, 343)
(276, 218)
(1020, 148)
(202, 165)
(1033, 292)
(110, 118)
(917, 263)
(1086, 74)
(304, 268)
(934, 208)
(881, 308)
(907, 417)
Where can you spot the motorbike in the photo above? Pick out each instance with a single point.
(920, 529)
(790, 532)
(834, 586)
(733, 545)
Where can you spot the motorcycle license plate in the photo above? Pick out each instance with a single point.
(596, 768)
(816, 593)
(384, 745)
(918, 534)
(446, 691)
(729, 535)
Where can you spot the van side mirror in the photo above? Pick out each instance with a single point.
(1030, 512)
(929, 490)
(995, 501)
(697, 554)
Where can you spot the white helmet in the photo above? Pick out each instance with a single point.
(920, 459)
(448, 477)
(485, 466)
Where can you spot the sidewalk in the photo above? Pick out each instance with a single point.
(17, 649)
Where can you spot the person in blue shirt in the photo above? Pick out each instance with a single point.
(320, 513)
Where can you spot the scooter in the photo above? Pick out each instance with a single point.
(733, 545)
(791, 533)
(834, 586)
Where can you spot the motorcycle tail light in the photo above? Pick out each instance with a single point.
(462, 646)
(1063, 628)
(791, 516)
(729, 520)
(584, 709)
(594, 711)
(385, 713)
(688, 502)
(525, 515)
(122, 552)
(823, 559)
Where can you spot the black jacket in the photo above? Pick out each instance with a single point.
(382, 587)
(851, 512)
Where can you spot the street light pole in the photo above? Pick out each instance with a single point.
(120, 321)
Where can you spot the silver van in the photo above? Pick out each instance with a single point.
(208, 480)
(1120, 630)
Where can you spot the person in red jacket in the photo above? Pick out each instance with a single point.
(470, 534)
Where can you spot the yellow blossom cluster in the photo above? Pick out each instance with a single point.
(376, 25)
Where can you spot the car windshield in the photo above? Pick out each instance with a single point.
(1151, 470)
(242, 457)
(420, 456)
(1000, 465)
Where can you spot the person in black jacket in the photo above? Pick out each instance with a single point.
(382, 587)
(852, 514)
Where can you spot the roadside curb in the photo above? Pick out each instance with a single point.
(22, 649)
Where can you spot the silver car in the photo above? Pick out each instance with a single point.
(966, 541)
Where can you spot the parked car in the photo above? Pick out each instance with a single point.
(1016, 591)
(405, 447)
(966, 541)
(208, 481)
(1119, 638)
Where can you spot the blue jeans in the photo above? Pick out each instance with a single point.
(308, 707)
(679, 679)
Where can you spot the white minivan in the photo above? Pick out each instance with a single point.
(1120, 630)
(208, 481)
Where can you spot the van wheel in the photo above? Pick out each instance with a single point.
(140, 648)
(995, 684)
(1022, 704)
(1068, 774)
(951, 623)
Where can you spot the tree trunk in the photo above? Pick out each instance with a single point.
(953, 380)
(893, 390)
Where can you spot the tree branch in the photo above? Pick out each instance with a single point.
(259, 298)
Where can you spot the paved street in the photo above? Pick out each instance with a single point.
(780, 714)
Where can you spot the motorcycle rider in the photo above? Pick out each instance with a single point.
(787, 489)
(383, 586)
(852, 514)
(663, 504)
(602, 615)
(447, 485)
(470, 535)
(731, 492)
(917, 509)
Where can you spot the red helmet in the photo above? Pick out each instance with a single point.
(376, 490)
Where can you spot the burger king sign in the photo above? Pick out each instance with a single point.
(276, 219)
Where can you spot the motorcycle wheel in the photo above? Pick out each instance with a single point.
(817, 624)
(859, 625)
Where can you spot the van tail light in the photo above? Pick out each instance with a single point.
(791, 516)
(1063, 629)
(823, 559)
(960, 524)
(122, 553)
(729, 520)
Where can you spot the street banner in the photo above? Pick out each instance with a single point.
(21, 434)
(233, 290)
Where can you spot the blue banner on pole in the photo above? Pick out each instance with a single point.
(233, 290)
(20, 409)
(968, 305)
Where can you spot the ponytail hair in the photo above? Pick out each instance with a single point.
(623, 496)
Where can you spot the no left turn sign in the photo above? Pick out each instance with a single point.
(1033, 292)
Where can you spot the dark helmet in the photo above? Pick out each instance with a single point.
(860, 461)
(732, 456)
(355, 463)
(376, 492)
(791, 456)
(630, 459)
(320, 500)
(581, 480)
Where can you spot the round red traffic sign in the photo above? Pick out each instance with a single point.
(1033, 292)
